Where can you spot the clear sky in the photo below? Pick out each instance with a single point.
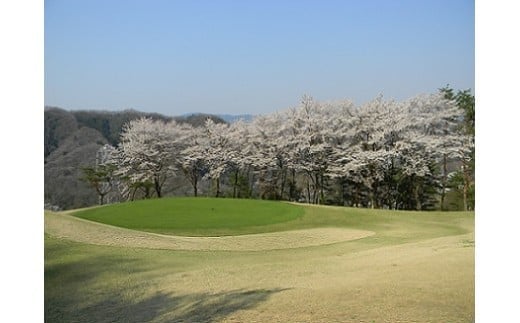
(176, 57)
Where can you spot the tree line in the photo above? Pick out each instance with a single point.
(382, 154)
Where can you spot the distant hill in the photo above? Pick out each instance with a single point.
(71, 140)
(229, 118)
(110, 123)
(198, 119)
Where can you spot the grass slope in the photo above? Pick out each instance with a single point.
(418, 267)
(195, 216)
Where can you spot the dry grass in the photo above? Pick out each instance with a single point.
(65, 226)
(381, 278)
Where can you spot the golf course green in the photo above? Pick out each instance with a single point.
(194, 216)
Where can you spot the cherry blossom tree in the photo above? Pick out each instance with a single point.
(214, 151)
(241, 151)
(271, 153)
(147, 154)
(381, 154)
(192, 157)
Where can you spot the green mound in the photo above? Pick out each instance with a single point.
(195, 216)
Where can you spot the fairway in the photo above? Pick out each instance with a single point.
(321, 264)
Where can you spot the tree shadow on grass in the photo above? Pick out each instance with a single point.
(88, 285)
(162, 307)
(214, 307)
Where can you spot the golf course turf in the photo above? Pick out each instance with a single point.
(194, 216)
(413, 267)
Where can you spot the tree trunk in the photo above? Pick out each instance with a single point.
(158, 187)
(235, 184)
(417, 199)
(356, 196)
(218, 187)
(322, 189)
(317, 189)
(282, 184)
(194, 183)
(342, 183)
(371, 195)
(375, 195)
(464, 188)
(133, 193)
(292, 186)
(251, 179)
(465, 197)
(308, 192)
(444, 180)
(466, 177)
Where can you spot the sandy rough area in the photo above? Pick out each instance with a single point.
(62, 225)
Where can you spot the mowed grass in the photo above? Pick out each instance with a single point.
(418, 267)
(195, 216)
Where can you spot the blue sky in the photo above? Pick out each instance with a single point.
(176, 57)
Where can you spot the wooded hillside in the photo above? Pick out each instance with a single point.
(71, 140)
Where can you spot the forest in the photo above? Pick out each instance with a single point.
(417, 154)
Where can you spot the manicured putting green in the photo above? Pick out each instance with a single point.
(194, 216)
